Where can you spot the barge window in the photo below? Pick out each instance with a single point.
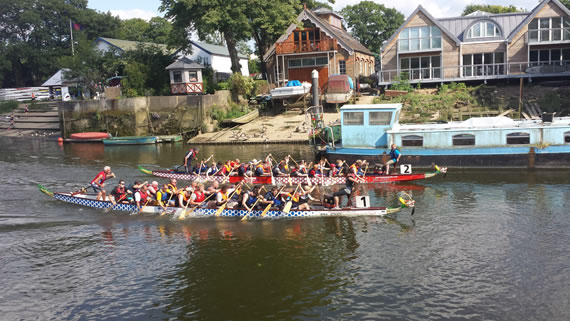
(354, 118)
(380, 118)
(412, 140)
(567, 137)
(518, 138)
(463, 140)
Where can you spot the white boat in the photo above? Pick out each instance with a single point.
(289, 92)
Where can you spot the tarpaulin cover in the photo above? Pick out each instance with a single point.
(293, 83)
(339, 84)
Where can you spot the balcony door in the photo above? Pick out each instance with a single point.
(307, 40)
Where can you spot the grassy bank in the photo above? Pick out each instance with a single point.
(8, 106)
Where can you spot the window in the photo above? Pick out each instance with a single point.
(420, 38)
(342, 67)
(177, 76)
(549, 29)
(483, 29)
(412, 140)
(428, 67)
(567, 137)
(193, 76)
(484, 64)
(518, 138)
(308, 62)
(463, 140)
(380, 118)
(354, 118)
(549, 57)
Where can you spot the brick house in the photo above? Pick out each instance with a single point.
(479, 46)
(321, 43)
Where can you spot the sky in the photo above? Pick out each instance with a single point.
(146, 9)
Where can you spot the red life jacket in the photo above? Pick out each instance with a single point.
(200, 197)
(144, 196)
(102, 180)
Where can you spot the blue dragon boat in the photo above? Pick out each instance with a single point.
(482, 142)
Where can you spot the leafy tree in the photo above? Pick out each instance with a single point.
(566, 3)
(135, 29)
(208, 16)
(159, 30)
(372, 23)
(254, 65)
(490, 8)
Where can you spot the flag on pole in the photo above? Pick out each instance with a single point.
(77, 26)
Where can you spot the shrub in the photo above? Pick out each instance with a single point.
(8, 106)
(241, 85)
(402, 82)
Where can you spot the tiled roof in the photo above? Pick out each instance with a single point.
(126, 45)
(215, 49)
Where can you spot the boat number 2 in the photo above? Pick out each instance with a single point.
(405, 169)
(362, 201)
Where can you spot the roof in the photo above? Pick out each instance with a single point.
(184, 63)
(126, 45)
(215, 49)
(371, 106)
(533, 13)
(57, 79)
(323, 11)
(507, 22)
(344, 39)
(430, 17)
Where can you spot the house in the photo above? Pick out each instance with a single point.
(185, 77)
(318, 42)
(58, 85)
(479, 46)
(216, 56)
(120, 46)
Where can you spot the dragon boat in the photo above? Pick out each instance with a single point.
(292, 180)
(320, 211)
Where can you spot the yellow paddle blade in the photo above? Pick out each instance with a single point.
(266, 210)
(287, 207)
(221, 209)
(245, 217)
(436, 168)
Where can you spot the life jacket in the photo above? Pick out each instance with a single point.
(102, 179)
(172, 189)
(292, 197)
(200, 197)
(251, 200)
(186, 197)
(224, 195)
(228, 168)
(143, 196)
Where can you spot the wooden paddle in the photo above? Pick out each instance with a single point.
(227, 177)
(167, 202)
(223, 206)
(254, 204)
(287, 207)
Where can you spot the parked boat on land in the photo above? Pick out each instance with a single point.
(89, 201)
(130, 140)
(292, 93)
(294, 180)
(484, 142)
(338, 89)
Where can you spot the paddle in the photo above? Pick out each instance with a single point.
(287, 207)
(223, 206)
(405, 204)
(185, 212)
(227, 177)
(167, 202)
(254, 204)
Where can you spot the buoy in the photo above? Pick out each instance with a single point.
(60, 140)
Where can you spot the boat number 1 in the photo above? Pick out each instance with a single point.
(362, 201)
(405, 169)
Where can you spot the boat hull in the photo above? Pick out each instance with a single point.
(499, 157)
(130, 140)
(293, 180)
(87, 201)
(89, 136)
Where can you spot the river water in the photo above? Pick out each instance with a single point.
(480, 246)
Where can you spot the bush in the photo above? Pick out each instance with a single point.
(402, 82)
(210, 85)
(8, 106)
(234, 111)
(223, 85)
(241, 85)
(259, 87)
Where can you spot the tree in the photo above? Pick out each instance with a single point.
(490, 8)
(566, 3)
(208, 16)
(159, 30)
(372, 23)
(135, 29)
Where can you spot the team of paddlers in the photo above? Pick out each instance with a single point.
(240, 195)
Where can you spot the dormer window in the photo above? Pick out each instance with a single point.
(483, 29)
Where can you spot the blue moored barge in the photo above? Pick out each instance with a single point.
(482, 142)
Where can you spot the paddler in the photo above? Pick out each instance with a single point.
(184, 197)
(272, 197)
(250, 198)
(142, 197)
(162, 197)
(98, 183)
(198, 196)
(351, 180)
(173, 190)
(189, 157)
(119, 194)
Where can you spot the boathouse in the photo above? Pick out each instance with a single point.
(185, 77)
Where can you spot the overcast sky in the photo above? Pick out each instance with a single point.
(146, 9)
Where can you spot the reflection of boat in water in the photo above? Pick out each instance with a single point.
(89, 201)
(90, 151)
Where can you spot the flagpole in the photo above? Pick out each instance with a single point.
(71, 32)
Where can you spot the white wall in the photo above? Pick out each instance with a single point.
(224, 64)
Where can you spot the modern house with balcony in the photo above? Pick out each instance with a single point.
(318, 42)
(479, 46)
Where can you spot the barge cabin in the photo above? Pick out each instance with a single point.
(483, 142)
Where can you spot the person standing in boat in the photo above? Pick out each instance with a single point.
(351, 181)
(394, 158)
(189, 157)
(98, 183)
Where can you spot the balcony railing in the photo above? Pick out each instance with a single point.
(472, 72)
(187, 88)
(305, 46)
(537, 36)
